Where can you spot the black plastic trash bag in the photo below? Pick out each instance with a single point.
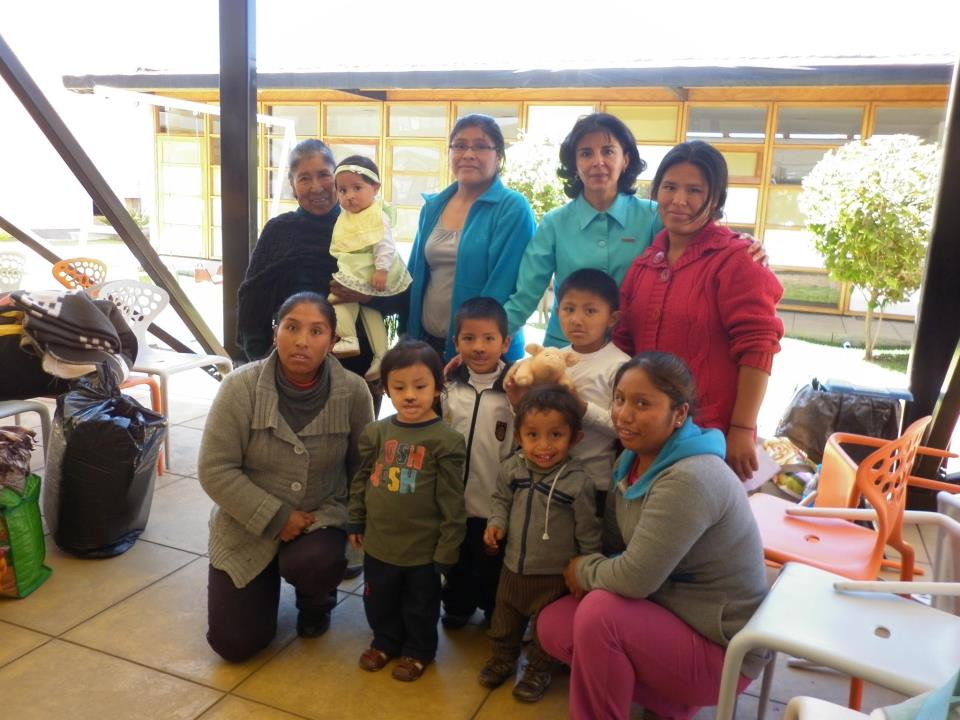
(816, 412)
(101, 468)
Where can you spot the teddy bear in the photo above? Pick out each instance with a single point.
(545, 365)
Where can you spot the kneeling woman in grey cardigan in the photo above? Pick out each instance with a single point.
(278, 447)
(651, 623)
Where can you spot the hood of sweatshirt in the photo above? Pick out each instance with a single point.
(688, 440)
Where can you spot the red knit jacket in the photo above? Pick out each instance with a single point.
(715, 308)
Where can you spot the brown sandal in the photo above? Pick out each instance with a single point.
(373, 659)
(408, 669)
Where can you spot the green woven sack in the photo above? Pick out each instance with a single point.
(22, 548)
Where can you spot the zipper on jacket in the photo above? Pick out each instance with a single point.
(526, 525)
(473, 427)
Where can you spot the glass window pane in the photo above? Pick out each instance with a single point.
(353, 120)
(782, 207)
(275, 151)
(652, 155)
(214, 121)
(790, 167)
(215, 215)
(911, 306)
(407, 189)
(305, 118)
(741, 207)
(418, 120)
(181, 240)
(791, 248)
(180, 122)
(344, 150)
(507, 117)
(181, 210)
(812, 289)
(179, 151)
(554, 121)
(926, 123)
(742, 165)
(727, 124)
(286, 192)
(818, 125)
(217, 243)
(416, 158)
(214, 151)
(406, 225)
(215, 177)
(180, 180)
(652, 123)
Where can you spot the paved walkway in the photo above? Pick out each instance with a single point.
(839, 329)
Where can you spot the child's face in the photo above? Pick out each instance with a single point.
(480, 344)
(355, 193)
(412, 391)
(545, 437)
(586, 318)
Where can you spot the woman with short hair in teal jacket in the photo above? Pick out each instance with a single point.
(605, 227)
(470, 238)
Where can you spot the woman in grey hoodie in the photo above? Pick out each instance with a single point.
(650, 624)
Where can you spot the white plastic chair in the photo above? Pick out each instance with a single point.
(11, 270)
(857, 627)
(808, 708)
(140, 303)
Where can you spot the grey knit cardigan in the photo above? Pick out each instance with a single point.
(252, 464)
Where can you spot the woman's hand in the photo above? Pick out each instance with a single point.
(492, 537)
(742, 452)
(347, 295)
(455, 362)
(570, 578)
(756, 249)
(379, 279)
(296, 524)
(356, 540)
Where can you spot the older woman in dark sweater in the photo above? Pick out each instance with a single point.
(293, 255)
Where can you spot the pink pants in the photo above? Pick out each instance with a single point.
(620, 649)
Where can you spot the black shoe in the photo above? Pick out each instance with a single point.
(454, 622)
(353, 572)
(311, 624)
(532, 686)
(496, 671)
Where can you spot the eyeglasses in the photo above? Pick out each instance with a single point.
(461, 148)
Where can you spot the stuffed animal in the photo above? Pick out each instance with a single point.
(545, 365)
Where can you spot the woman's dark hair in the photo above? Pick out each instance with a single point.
(305, 149)
(593, 281)
(364, 162)
(612, 126)
(668, 373)
(408, 353)
(489, 127)
(710, 162)
(481, 308)
(543, 398)
(312, 298)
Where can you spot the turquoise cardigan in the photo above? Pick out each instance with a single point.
(495, 234)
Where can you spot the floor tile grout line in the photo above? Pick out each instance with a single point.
(28, 652)
(267, 705)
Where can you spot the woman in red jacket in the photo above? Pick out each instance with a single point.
(696, 294)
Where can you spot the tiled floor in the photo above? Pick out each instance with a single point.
(124, 637)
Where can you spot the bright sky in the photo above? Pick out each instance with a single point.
(57, 37)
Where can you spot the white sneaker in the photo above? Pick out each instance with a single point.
(348, 347)
(373, 374)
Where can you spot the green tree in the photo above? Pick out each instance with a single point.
(870, 208)
(531, 170)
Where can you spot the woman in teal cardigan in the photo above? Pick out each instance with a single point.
(605, 226)
(470, 238)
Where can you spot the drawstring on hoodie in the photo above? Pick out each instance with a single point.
(546, 519)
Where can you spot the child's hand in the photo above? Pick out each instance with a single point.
(379, 279)
(356, 540)
(492, 537)
(513, 391)
(296, 524)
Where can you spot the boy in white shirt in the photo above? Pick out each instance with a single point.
(588, 304)
(476, 405)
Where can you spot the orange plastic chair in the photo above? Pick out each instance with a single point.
(80, 273)
(840, 546)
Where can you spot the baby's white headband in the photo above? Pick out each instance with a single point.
(359, 170)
